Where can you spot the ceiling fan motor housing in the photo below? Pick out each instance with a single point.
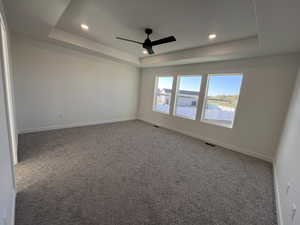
(147, 44)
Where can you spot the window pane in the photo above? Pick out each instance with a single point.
(163, 103)
(162, 94)
(190, 83)
(186, 107)
(164, 84)
(222, 98)
(187, 96)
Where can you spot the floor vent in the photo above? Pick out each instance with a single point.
(210, 144)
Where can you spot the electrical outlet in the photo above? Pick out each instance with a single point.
(294, 210)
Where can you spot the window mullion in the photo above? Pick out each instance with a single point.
(201, 97)
(155, 93)
(173, 95)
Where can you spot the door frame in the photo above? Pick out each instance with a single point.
(8, 89)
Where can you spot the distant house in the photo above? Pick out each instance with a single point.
(186, 98)
(164, 97)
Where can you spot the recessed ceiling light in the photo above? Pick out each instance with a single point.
(145, 52)
(212, 36)
(84, 26)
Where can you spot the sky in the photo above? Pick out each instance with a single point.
(218, 85)
(190, 83)
(224, 85)
(165, 82)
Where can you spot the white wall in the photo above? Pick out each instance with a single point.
(57, 87)
(263, 103)
(286, 164)
(7, 188)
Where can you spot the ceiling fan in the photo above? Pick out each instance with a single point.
(148, 44)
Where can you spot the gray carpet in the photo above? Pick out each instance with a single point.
(130, 173)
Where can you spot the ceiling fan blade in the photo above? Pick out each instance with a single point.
(150, 51)
(164, 40)
(125, 39)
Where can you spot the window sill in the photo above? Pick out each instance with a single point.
(157, 111)
(217, 124)
(185, 117)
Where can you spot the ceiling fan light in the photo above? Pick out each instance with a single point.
(212, 36)
(145, 52)
(84, 26)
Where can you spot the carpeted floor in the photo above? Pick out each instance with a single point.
(130, 173)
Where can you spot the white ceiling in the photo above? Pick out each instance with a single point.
(190, 21)
(244, 28)
(34, 17)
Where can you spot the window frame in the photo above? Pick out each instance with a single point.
(208, 75)
(177, 94)
(156, 94)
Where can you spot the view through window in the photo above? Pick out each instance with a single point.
(163, 93)
(222, 98)
(187, 93)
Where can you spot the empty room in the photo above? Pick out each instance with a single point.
(149, 112)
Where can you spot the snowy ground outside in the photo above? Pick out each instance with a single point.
(212, 112)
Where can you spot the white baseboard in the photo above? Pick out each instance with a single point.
(225, 145)
(277, 196)
(216, 142)
(79, 124)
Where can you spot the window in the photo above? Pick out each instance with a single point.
(163, 93)
(222, 94)
(188, 88)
